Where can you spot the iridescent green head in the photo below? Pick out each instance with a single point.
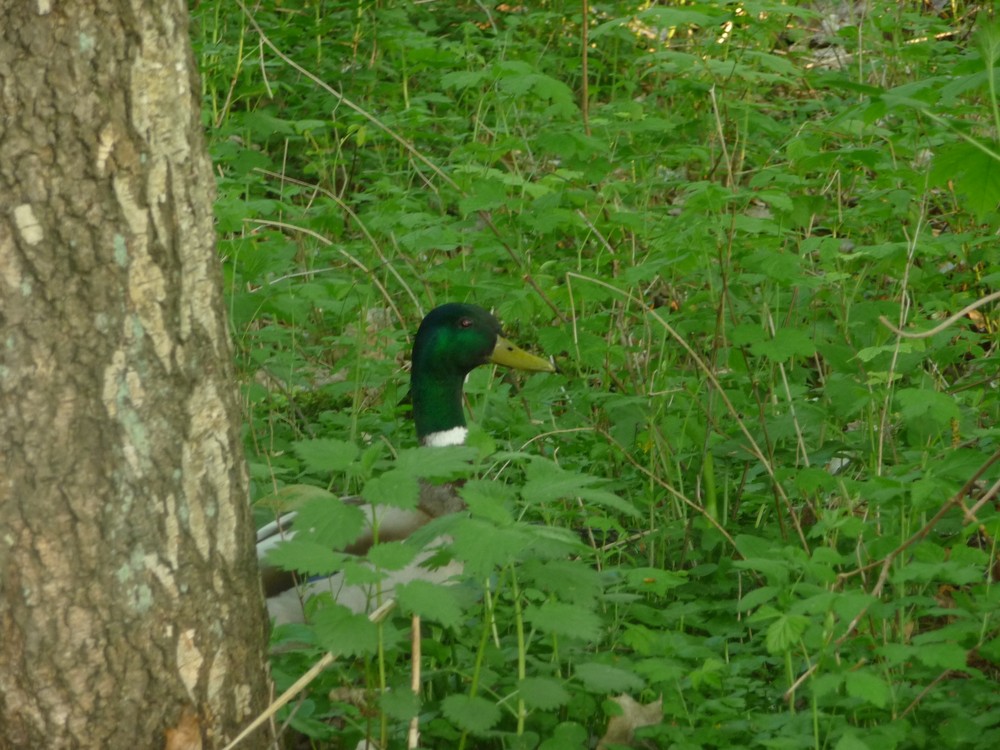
(453, 340)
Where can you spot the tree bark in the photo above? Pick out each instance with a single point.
(130, 607)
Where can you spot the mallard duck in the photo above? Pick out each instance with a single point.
(452, 340)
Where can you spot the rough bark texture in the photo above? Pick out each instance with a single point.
(130, 610)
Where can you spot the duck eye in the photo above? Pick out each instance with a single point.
(465, 323)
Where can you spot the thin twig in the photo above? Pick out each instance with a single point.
(947, 323)
(754, 449)
(300, 684)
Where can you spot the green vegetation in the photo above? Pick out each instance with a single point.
(743, 493)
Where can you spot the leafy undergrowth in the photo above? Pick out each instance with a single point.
(743, 493)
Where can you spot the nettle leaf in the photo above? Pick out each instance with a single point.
(396, 488)
(463, 79)
(566, 736)
(944, 572)
(481, 441)
(391, 555)
(484, 547)
(851, 741)
(753, 546)
(267, 124)
(654, 580)
(431, 601)
(306, 126)
(400, 704)
(786, 344)
(668, 17)
(921, 404)
(549, 542)
(471, 713)
(603, 678)
(709, 674)
(358, 572)
(849, 604)
(342, 632)
(569, 620)
(326, 454)
(543, 693)
(554, 90)
(610, 500)
(571, 580)
(483, 195)
(868, 686)
(942, 655)
(784, 268)
(756, 225)
(437, 463)
(776, 571)
(310, 558)
(785, 632)
(329, 522)
(973, 173)
(547, 482)
(293, 496)
(826, 684)
(758, 596)
(488, 500)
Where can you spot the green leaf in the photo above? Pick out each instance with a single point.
(462, 79)
(973, 173)
(749, 545)
(310, 558)
(943, 655)
(868, 686)
(291, 497)
(471, 713)
(391, 555)
(306, 126)
(566, 736)
(329, 522)
(395, 488)
(709, 674)
(665, 17)
(431, 601)
(326, 454)
(603, 678)
(542, 693)
(570, 580)
(483, 195)
(344, 633)
(758, 596)
(776, 571)
(488, 500)
(569, 620)
(654, 580)
(437, 463)
(850, 741)
(826, 684)
(484, 547)
(785, 633)
(786, 344)
(547, 483)
(923, 404)
(401, 705)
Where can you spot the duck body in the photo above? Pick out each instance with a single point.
(452, 340)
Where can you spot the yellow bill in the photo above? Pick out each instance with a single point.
(505, 353)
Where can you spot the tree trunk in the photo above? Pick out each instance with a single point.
(130, 606)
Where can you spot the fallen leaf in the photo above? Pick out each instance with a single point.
(186, 735)
(621, 729)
